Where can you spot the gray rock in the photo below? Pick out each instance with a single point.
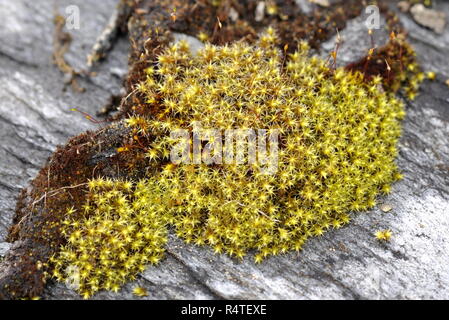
(305, 5)
(348, 263)
(433, 19)
(432, 48)
(355, 42)
(194, 43)
(4, 247)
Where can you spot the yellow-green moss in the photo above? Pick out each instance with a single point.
(120, 231)
(337, 153)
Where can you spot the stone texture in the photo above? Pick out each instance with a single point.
(345, 264)
(4, 247)
(435, 20)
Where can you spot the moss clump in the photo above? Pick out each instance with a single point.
(396, 64)
(337, 150)
(119, 230)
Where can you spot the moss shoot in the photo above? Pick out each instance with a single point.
(337, 150)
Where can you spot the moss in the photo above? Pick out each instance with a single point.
(396, 64)
(152, 25)
(383, 235)
(293, 209)
(150, 32)
(112, 238)
(140, 292)
(337, 153)
(41, 208)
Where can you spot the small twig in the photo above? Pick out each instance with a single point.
(89, 117)
(48, 174)
(261, 212)
(55, 192)
(23, 218)
(126, 98)
(389, 70)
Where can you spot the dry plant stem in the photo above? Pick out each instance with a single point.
(61, 44)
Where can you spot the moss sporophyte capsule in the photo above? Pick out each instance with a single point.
(336, 154)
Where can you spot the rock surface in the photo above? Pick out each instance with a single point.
(435, 20)
(348, 263)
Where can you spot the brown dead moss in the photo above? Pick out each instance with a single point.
(40, 208)
(395, 62)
